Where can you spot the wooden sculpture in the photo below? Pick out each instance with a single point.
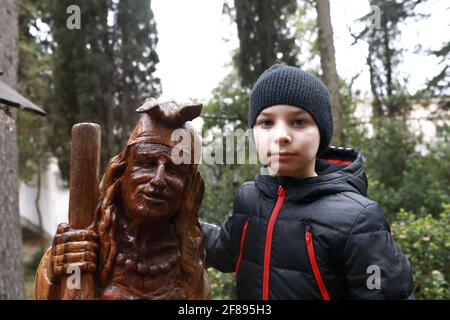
(137, 235)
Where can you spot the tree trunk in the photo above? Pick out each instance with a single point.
(11, 270)
(328, 62)
(387, 60)
(37, 199)
(377, 106)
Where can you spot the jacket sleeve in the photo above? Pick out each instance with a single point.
(218, 245)
(374, 266)
(220, 242)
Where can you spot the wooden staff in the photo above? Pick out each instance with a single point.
(84, 185)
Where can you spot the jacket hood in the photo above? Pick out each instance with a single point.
(338, 170)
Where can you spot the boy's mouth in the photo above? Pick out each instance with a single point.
(282, 155)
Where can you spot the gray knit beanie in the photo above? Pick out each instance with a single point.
(282, 84)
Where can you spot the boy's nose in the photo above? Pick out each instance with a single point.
(282, 135)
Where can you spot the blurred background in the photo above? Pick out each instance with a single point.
(385, 62)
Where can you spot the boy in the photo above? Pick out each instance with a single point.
(304, 228)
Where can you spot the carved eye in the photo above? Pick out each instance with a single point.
(151, 162)
(146, 162)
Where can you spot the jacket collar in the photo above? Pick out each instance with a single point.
(338, 169)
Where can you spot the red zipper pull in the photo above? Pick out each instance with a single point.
(308, 234)
(308, 237)
(280, 190)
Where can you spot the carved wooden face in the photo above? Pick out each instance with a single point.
(152, 184)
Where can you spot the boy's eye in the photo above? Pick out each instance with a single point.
(265, 123)
(299, 121)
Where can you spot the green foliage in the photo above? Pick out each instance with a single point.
(353, 132)
(228, 107)
(411, 187)
(426, 184)
(403, 171)
(400, 177)
(390, 148)
(32, 265)
(222, 182)
(223, 114)
(223, 285)
(426, 243)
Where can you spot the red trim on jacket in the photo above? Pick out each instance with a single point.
(336, 161)
(268, 246)
(314, 265)
(241, 246)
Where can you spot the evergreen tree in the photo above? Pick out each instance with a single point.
(136, 59)
(265, 36)
(82, 75)
(102, 72)
(440, 84)
(390, 98)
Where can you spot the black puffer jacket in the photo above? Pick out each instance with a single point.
(312, 238)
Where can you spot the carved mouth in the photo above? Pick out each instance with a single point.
(154, 197)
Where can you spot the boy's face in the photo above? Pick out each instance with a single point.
(287, 139)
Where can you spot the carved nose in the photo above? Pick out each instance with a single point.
(159, 179)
